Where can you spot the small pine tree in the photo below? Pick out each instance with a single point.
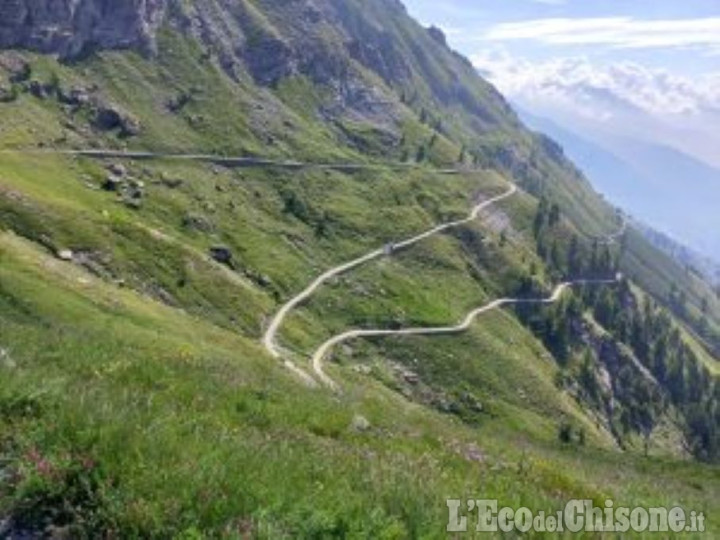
(54, 84)
(565, 432)
(554, 214)
(421, 154)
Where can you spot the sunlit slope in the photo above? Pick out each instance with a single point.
(134, 295)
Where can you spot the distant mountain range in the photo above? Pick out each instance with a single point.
(673, 192)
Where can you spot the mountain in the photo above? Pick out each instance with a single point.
(623, 99)
(70, 29)
(691, 259)
(627, 171)
(620, 181)
(179, 179)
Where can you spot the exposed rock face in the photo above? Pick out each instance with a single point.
(109, 117)
(438, 35)
(72, 27)
(269, 60)
(355, 50)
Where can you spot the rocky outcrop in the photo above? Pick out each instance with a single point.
(438, 35)
(110, 117)
(70, 28)
(354, 51)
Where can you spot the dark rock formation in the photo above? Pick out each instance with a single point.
(109, 117)
(70, 28)
(355, 51)
(222, 254)
(438, 35)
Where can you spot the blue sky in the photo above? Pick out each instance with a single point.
(680, 35)
(612, 71)
(651, 67)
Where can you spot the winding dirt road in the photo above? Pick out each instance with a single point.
(270, 337)
(320, 355)
(229, 161)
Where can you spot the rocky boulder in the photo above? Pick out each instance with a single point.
(76, 97)
(360, 424)
(222, 255)
(15, 66)
(197, 222)
(118, 169)
(110, 118)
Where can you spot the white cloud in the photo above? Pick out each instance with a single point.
(621, 32)
(599, 91)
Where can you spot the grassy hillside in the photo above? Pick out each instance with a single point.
(119, 413)
(135, 396)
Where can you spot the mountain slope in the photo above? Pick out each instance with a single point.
(682, 187)
(136, 396)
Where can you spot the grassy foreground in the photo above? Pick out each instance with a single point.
(135, 398)
(131, 416)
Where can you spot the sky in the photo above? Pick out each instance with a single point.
(615, 72)
(687, 32)
(589, 57)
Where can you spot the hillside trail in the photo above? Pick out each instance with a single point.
(318, 358)
(323, 351)
(270, 337)
(247, 161)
